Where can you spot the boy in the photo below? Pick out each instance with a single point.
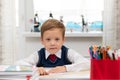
(55, 55)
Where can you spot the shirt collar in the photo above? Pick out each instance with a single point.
(58, 54)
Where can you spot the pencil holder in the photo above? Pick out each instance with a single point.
(105, 69)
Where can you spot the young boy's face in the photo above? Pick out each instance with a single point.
(53, 40)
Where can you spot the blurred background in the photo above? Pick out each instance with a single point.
(20, 22)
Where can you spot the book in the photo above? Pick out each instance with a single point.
(15, 70)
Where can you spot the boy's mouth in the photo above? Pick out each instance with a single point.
(53, 48)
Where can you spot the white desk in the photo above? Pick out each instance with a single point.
(82, 75)
(21, 75)
(13, 77)
(13, 72)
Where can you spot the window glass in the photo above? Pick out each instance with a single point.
(70, 9)
(72, 12)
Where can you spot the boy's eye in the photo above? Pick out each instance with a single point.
(57, 39)
(48, 39)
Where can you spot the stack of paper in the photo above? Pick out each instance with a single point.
(15, 70)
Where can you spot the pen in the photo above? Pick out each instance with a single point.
(92, 54)
(104, 53)
(113, 55)
(98, 55)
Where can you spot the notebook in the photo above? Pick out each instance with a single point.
(15, 70)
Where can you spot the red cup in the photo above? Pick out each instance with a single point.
(105, 69)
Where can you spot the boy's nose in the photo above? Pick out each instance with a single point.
(52, 42)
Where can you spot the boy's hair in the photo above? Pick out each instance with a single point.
(52, 24)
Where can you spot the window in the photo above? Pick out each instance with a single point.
(71, 10)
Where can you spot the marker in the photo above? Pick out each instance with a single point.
(113, 55)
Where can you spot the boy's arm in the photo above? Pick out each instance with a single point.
(57, 69)
(29, 61)
(78, 61)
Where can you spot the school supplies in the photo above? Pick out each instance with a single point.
(15, 70)
(102, 53)
(9, 72)
(105, 63)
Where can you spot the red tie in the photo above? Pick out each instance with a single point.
(52, 57)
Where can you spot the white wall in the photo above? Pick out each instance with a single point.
(80, 44)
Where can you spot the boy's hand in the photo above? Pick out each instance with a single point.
(57, 69)
(42, 71)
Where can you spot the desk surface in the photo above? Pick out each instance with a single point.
(82, 75)
(13, 75)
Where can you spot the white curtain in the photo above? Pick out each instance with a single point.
(111, 17)
(12, 36)
(117, 17)
(7, 26)
(0, 36)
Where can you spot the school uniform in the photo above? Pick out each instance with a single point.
(72, 60)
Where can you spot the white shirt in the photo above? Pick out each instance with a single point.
(78, 61)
